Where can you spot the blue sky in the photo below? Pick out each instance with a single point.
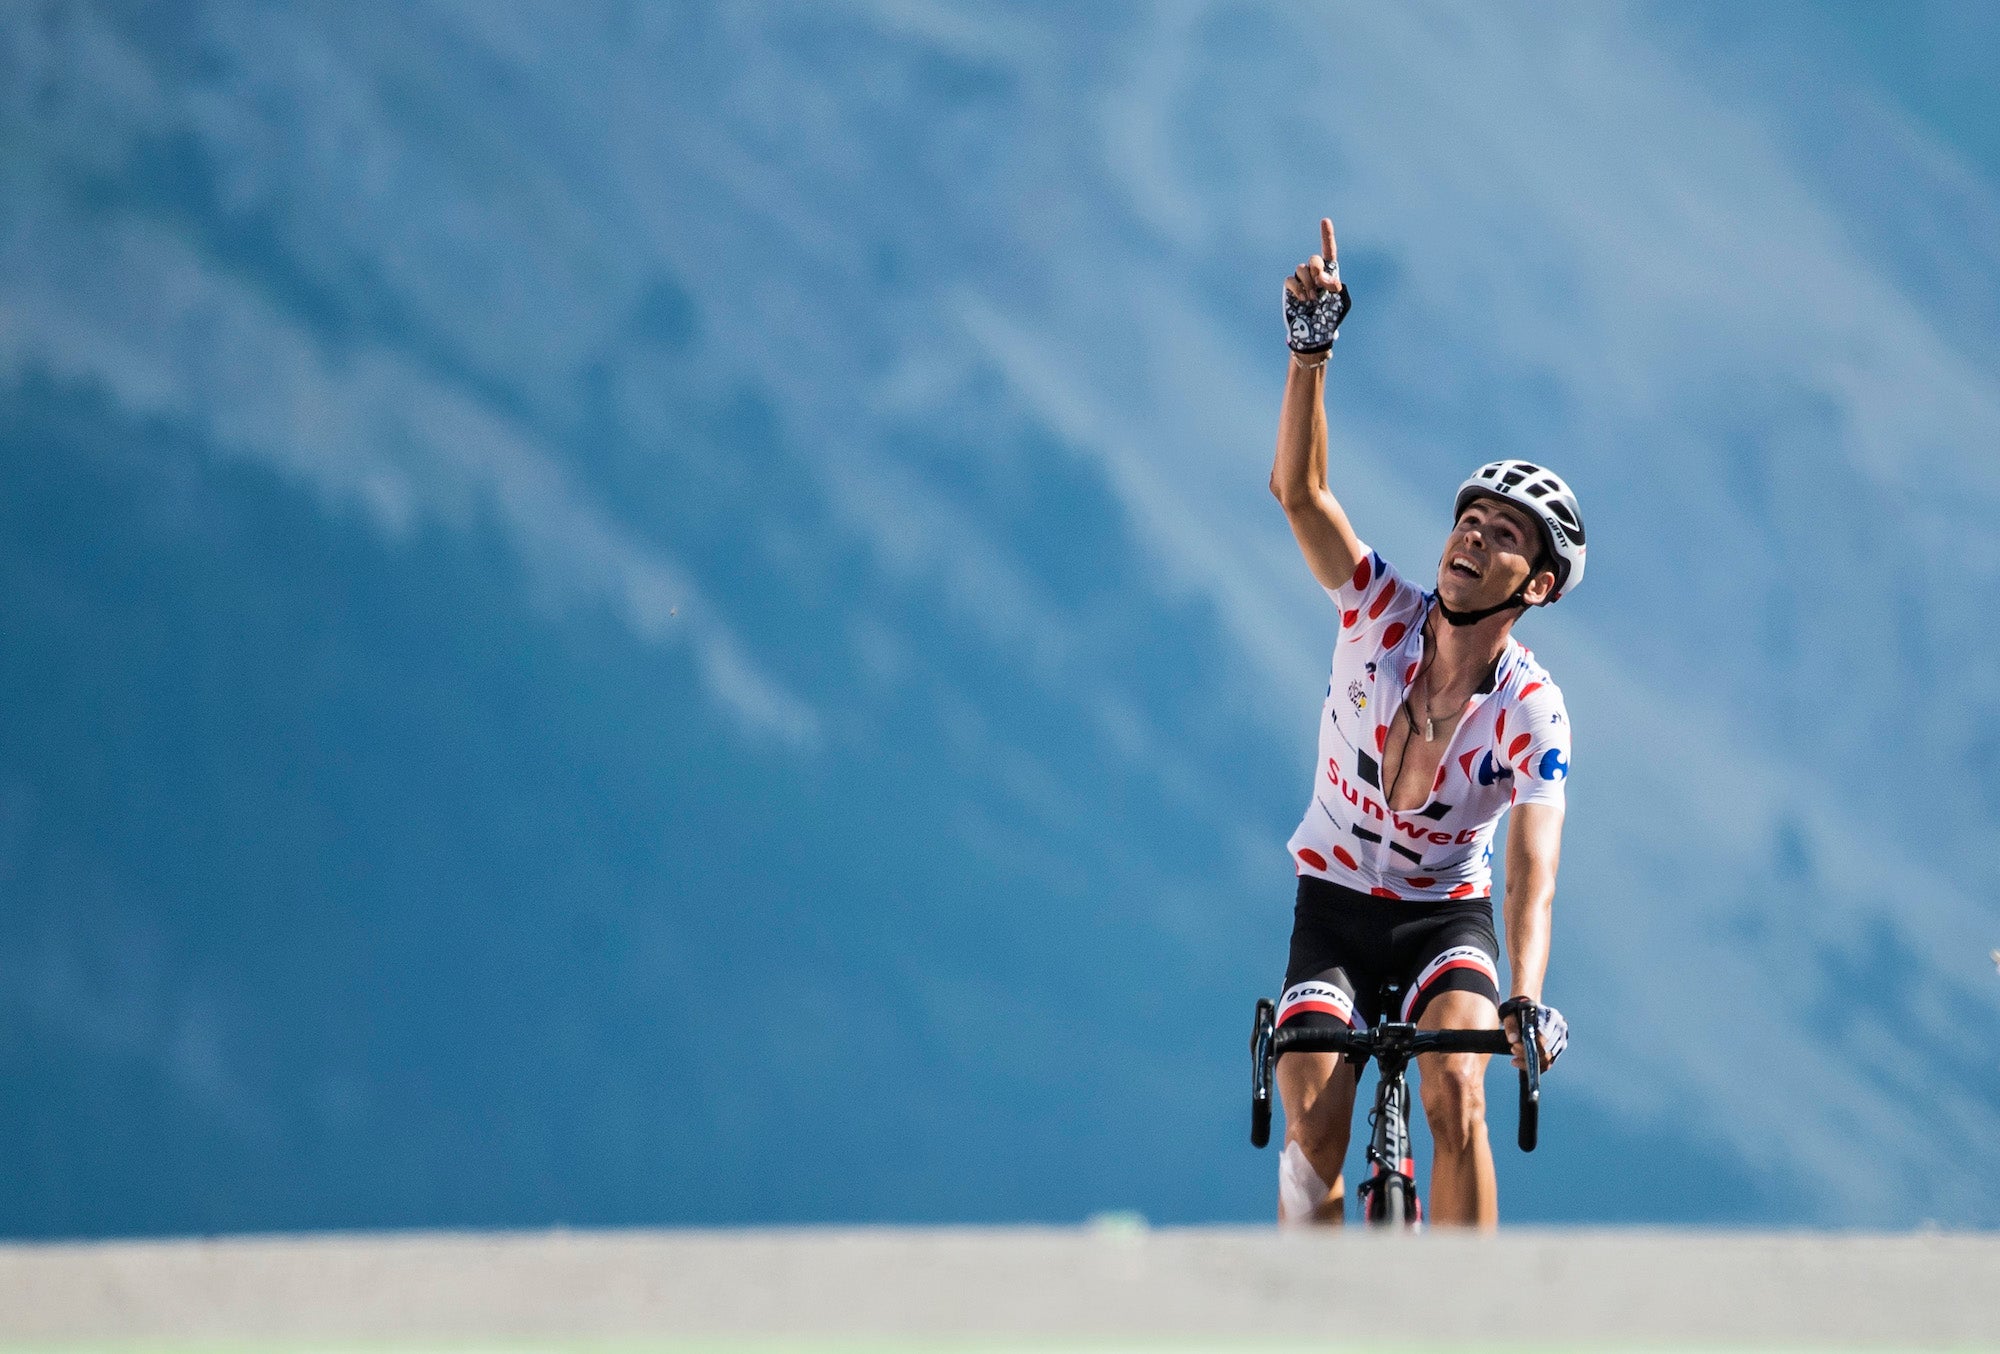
(881, 398)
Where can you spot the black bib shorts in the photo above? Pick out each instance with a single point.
(1345, 945)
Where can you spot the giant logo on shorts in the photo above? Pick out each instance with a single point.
(1457, 957)
(1324, 998)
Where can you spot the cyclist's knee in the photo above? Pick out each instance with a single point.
(1319, 1108)
(1454, 1091)
(1323, 1138)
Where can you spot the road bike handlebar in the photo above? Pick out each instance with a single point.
(1531, 1080)
(1404, 1039)
(1401, 1041)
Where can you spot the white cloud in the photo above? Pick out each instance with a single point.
(157, 326)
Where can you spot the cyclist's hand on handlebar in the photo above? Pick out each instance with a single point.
(1549, 1023)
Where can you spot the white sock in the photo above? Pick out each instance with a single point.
(1300, 1190)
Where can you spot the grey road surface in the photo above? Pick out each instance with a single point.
(1523, 1288)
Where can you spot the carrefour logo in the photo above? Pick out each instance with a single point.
(1492, 769)
(1554, 765)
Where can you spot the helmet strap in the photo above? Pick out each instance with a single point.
(1474, 617)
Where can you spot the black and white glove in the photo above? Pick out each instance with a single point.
(1549, 1023)
(1310, 326)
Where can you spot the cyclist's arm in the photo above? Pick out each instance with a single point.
(1298, 471)
(1298, 480)
(1534, 847)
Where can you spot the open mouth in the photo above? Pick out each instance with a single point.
(1461, 566)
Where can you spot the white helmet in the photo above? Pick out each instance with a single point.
(1548, 499)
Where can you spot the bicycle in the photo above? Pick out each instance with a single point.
(1389, 1194)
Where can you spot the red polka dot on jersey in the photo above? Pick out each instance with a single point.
(1381, 602)
(1381, 892)
(1514, 748)
(1312, 858)
(1421, 881)
(1340, 854)
(1438, 784)
(1530, 689)
(1362, 573)
(1462, 891)
(1381, 738)
(1348, 618)
(1394, 635)
(1410, 673)
(1465, 763)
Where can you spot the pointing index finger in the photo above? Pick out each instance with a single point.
(1326, 241)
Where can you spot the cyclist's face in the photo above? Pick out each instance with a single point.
(1491, 552)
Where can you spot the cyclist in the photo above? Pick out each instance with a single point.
(1436, 723)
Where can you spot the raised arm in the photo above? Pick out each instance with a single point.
(1298, 471)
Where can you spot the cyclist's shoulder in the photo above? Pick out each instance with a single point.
(1524, 682)
(1376, 567)
(1379, 583)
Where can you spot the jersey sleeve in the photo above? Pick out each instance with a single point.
(1376, 601)
(1539, 752)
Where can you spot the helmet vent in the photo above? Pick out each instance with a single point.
(1545, 495)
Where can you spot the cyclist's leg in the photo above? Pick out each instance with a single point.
(1333, 958)
(1454, 984)
(1463, 1191)
(1318, 1094)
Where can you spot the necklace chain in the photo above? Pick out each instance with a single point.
(1423, 674)
(1430, 719)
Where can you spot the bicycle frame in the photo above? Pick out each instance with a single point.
(1389, 1194)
